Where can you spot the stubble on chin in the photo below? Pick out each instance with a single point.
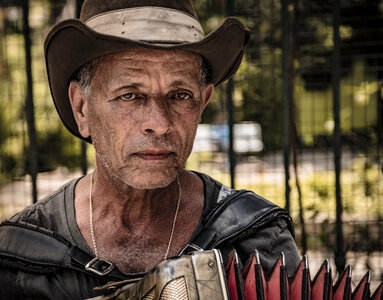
(133, 179)
(166, 180)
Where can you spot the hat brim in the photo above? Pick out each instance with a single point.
(71, 43)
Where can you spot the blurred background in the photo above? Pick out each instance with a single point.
(300, 124)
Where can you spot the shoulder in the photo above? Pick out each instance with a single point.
(229, 213)
(49, 211)
(244, 210)
(239, 206)
(245, 221)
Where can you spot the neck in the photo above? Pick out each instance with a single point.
(134, 207)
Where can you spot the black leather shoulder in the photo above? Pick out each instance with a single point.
(30, 248)
(242, 211)
(238, 212)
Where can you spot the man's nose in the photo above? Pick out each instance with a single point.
(156, 117)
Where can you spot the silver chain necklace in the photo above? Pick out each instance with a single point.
(91, 217)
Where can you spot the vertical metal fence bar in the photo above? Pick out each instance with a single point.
(29, 107)
(379, 132)
(230, 110)
(286, 96)
(379, 148)
(340, 259)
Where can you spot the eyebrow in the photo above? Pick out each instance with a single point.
(134, 85)
(177, 82)
(134, 69)
(183, 77)
(187, 75)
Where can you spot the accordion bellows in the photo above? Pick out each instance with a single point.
(202, 276)
(253, 284)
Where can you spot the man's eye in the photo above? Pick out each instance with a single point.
(182, 96)
(128, 96)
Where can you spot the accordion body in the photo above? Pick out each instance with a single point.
(201, 275)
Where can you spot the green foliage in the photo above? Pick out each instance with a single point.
(262, 101)
(258, 83)
(56, 147)
(362, 190)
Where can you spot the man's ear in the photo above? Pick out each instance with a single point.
(207, 94)
(79, 103)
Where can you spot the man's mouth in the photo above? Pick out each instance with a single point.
(154, 154)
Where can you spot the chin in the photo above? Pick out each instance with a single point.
(151, 181)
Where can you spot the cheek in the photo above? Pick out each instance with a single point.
(111, 117)
(189, 130)
(103, 131)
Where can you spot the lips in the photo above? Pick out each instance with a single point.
(154, 154)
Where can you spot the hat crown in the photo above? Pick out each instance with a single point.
(92, 8)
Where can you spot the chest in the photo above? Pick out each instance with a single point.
(133, 252)
(138, 245)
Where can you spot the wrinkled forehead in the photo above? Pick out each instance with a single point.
(143, 57)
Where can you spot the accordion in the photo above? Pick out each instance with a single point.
(201, 275)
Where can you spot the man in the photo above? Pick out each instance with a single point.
(133, 78)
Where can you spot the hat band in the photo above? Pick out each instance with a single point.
(150, 24)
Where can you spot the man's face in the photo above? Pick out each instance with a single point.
(143, 112)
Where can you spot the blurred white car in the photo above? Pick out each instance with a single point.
(247, 138)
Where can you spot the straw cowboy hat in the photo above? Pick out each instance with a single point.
(107, 26)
